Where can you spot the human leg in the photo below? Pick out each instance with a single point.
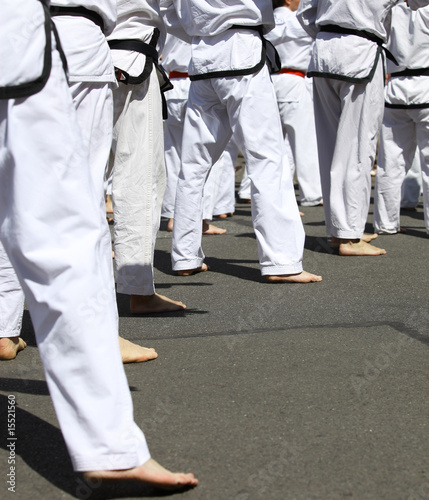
(206, 133)
(395, 155)
(275, 215)
(11, 309)
(422, 132)
(54, 245)
(348, 117)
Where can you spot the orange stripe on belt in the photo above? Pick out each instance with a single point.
(291, 71)
(177, 74)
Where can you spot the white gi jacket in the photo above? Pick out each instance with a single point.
(292, 42)
(137, 20)
(217, 48)
(176, 54)
(409, 43)
(347, 57)
(25, 54)
(88, 55)
(106, 9)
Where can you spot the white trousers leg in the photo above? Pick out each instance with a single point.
(421, 116)
(173, 137)
(11, 298)
(244, 190)
(94, 107)
(53, 243)
(295, 101)
(225, 200)
(398, 145)
(348, 119)
(138, 183)
(217, 109)
(412, 185)
(404, 132)
(173, 134)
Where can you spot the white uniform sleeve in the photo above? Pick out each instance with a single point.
(307, 15)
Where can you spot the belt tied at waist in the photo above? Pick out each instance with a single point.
(333, 28)
(78, 11)
(291, 71)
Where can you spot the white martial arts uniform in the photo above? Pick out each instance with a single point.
(54, 245)
(244, 189)
(232, 94)
(295, 100)
(406, 118)
(224, 202)
(412, 186)
(176, 56)
(91, 76)
(138, 148)
(348, 100)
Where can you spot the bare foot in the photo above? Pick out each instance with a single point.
(10, 346)
(359, 248)
(224, 216)
(133, 353)
(210, 229)
(156, 303)
(170, 225)
(109, 205)
(301, 214)
(302, 277)
(151, 473)
(335, 242)
(190, 272)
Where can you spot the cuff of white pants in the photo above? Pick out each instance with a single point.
(148, 289)
(14, 333)
(115, 461)
(383, 230)
(311, 203)
(345, 235)
(278, 270)
(187, 264)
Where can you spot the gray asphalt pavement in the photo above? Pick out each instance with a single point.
(264, 391)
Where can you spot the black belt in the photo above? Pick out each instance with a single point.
(333, 28)
(412, 72)
(78, 11)
(149, 50)
(135, 45)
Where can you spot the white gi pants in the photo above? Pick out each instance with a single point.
(295, 101)
(225, 199)
(94, 105)
(245, 107)
(173, 136)
(403, 131)
(54, 244)
(348, 119)
(244, 190)
(11, 298)
(412, 186)
(138, 183)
